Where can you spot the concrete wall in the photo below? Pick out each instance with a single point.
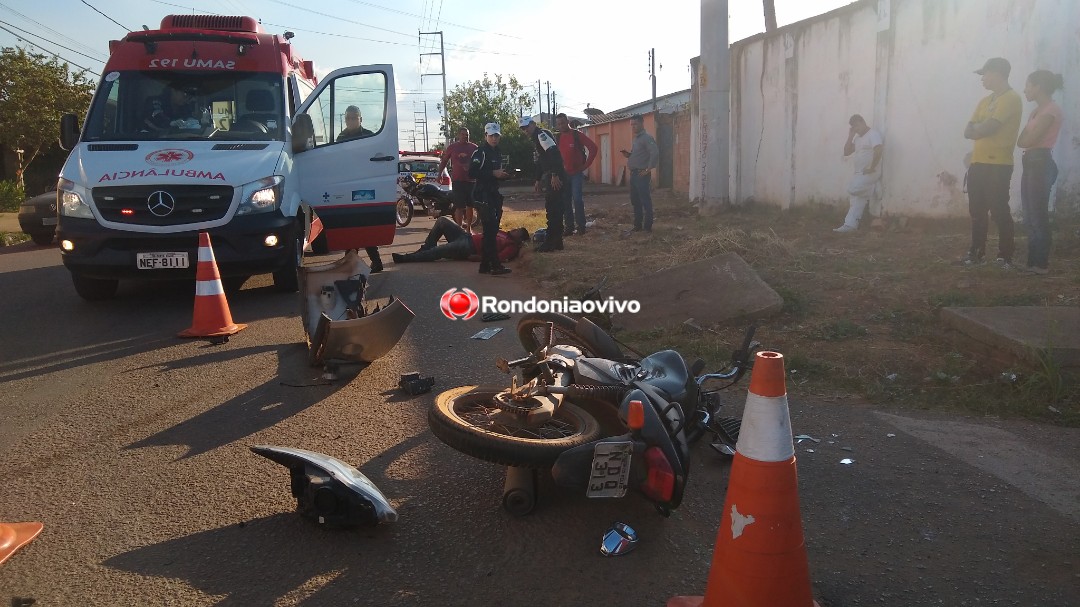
(906, 66)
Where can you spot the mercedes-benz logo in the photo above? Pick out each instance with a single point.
(161, 203)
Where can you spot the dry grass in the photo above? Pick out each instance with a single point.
(860, 317)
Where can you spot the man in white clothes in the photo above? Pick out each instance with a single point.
(866, 144)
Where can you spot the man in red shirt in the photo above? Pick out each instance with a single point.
(458, 155)
(461, 245)
(573, 145)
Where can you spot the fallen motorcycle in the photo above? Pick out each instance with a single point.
(561, 415)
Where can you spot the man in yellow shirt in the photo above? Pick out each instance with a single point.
(994, 127)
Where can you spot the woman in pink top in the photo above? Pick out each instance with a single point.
(1040, 172)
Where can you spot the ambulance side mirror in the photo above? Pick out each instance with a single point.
(303, 134)
(69, 131)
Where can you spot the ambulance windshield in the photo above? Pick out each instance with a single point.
(132, 105)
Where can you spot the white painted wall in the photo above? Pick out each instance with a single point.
(906, 66)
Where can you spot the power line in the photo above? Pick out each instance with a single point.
(126, 29)
(408, 14)
(49, 29)
(49, 41)
(47, 51)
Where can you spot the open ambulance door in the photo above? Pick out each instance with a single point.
(348, 174)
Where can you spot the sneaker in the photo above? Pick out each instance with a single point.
(844, 229)
(499, 270)
(971, 259)
(569, 233)
(397, 257)
(485, 269)
(1003, 263)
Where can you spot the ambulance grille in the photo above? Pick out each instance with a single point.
(163, 205)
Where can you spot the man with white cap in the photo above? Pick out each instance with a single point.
(486, 168)
(550, 177)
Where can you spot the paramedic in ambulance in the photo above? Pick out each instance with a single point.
(174, 107)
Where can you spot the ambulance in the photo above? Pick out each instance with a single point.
(211, 124)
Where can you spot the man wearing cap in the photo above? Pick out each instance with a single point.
(994, 127)
(485, 168)
(643, 157)
(550, 177)
(353, 127)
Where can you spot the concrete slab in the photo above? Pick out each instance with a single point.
(711, 291)
(9, 222)
(1020, 332)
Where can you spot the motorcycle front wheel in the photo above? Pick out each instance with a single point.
(404, 211)
(468, 420)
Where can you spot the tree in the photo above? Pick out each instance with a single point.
(35, 90)
(479, 102)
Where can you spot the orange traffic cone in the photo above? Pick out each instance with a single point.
(212, 317)
(16, 535)
(760, 556)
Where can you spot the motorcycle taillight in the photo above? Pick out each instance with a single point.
(659, 484)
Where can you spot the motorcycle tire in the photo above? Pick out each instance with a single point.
(532, 333)
(462, 418)
(404, 211)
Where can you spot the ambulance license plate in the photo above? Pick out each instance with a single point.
(155, 261)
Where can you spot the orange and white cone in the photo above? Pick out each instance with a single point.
(760, 556)
(212, 317)
(16, 535)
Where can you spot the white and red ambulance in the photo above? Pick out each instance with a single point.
(210, 123)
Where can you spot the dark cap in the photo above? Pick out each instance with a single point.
(996, 64)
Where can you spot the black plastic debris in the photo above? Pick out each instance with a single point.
(412, 384)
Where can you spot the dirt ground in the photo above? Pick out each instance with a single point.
(860, 316)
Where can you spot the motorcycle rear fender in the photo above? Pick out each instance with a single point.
(573, 468)
(656, 434)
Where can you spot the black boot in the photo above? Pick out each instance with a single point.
(499, 270)
(376, 259)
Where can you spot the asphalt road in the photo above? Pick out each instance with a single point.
(132, 447)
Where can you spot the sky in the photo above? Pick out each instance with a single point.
(589, 54)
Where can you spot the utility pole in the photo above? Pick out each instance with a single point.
(442, 57)
(420, 122)
(652, 75)
(548, 83)
(539, 98)
(554, 109)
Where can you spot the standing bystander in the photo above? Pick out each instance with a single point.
(485, 168)
(458, 155)
(993, 127)
(1040, 171)
(578, 153)
(550, 177)
(866, 144)
(643, 157)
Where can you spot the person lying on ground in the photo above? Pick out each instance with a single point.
(462, 246)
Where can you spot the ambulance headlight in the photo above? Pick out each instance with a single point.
(261, 196)
(71, 202)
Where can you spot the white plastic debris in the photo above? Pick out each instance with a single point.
(847, 461)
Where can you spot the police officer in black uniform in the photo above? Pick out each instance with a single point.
(550, 177)
(486, 168)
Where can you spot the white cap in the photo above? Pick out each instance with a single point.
(525, 121)
(492, 128)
